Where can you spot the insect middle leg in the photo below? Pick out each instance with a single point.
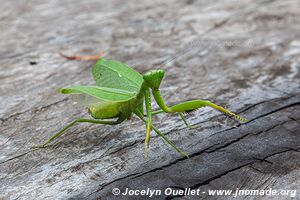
(186, 123)
(140, 115)
(181, 116)
(80, 120)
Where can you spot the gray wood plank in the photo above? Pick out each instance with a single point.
(243, 55)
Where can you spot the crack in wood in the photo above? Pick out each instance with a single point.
(30, 110)
(212, 148)
(208, 181)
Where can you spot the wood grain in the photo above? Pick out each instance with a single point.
(243, 55)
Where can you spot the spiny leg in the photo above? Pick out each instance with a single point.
(77, 57)
(153, 80)
(190, 106)
(140, 115)
(194, 105)
(80, 120)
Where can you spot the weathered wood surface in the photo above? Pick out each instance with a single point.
(258, 77)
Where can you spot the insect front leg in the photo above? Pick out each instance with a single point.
(189, 106)
(80, 120)
(149, 119)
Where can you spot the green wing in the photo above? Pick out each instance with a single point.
(101, 93)
(113, 74)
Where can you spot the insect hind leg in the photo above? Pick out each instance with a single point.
(80, 120)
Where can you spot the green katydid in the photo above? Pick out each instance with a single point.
(121, 91)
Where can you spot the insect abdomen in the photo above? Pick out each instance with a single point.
(104, 110)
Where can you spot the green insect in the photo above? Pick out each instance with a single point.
(121, 91)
